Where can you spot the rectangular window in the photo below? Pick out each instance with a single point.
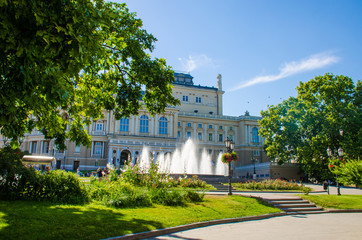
(188, 135)
(178, 134)
(199, 136)
(179, 124)
(231, 137)
(185, 98)
(220, 127)
(200, 125)
(77, 148)
(198, 99)
(99, 126)
(210, 151)
(98, 146)
(124, 125)
(45, 147)
(33, 146)
(256, 153)
(231, 128)
(210, 126)
(221, 138)
(210, 137)
(188, 124)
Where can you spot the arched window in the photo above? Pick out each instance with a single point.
(255, 135)
(124, 125)
(143, 124)
(162, 125)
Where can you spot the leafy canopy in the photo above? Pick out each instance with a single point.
(303, 127)
(80, 57)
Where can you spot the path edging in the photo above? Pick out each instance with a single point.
(165, 231)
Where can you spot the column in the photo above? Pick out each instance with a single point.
(171, 126)
(195, 135)
(183, 131)
(245, 134)
(216, 137)
(92, 149)
(236, 135)
(136, 130)
(205, 133)
(110, 154)
(156, 125)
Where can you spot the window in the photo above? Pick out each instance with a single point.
(162, 126)
(144, 124)
(254, 135)
(33, 147)
(256, 153)
(200, 125)
(98, 146)
(188, 124)
(185, 98)
(210, 137)
(210, 126)
(220, 127)
(221, 138)
(45, 147)
(188, 135)
(231, 137)
(77, 148)
(178, 134)
(124, 125)
(210, 151)
(99, 126)
(198, 99)
(179, 124)
(199, 136)
(231, 128)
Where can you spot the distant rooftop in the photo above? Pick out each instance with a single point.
(186, 79)
(183, 78)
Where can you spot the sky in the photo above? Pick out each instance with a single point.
(262, 48)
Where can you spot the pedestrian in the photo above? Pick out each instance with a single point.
(99, 174)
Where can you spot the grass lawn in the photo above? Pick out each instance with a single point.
(42, 220)
(335, 201)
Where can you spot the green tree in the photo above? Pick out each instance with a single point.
(349, 172)
(82, 57)
(304, 127)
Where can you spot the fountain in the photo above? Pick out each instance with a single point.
(187, 159)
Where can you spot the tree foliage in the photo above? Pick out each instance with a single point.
(80, 57)
(350, 172)
(303, 127)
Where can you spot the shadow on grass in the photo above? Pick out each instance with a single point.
(42, 220)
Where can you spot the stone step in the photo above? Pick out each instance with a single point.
(308, 212)
(310, 209)
(283, 199)
(288, 202)
(308, 205)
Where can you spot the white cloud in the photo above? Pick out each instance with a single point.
(194, 62)
(293, 68)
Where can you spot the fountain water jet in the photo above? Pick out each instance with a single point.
(187, 159)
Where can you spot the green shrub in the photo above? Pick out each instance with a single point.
(194, 196)
(170, 197)
(270, 185)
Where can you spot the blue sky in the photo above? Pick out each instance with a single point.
(262, 48)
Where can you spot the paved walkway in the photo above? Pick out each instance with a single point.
(296, 227)
(346, 226)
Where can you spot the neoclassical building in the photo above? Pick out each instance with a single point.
(200, 117)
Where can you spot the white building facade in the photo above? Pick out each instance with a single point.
(200, 117)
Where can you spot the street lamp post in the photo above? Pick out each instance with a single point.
(229, 144)
(334, 155)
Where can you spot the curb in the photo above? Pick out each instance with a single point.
(165, 231)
